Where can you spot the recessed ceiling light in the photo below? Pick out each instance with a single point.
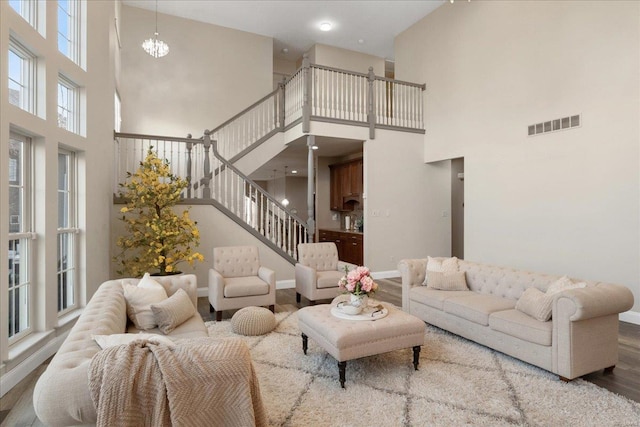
(294, 171)
(361, 41)
(325, 26)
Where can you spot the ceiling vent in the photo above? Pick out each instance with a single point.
(554, 125)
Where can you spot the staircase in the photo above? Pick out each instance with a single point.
(313, 93)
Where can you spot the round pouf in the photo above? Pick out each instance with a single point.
(253, 321)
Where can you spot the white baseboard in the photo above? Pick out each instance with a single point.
(203, 292)
(285, 284)
(20, 372)
(385, 274)
(630, 317)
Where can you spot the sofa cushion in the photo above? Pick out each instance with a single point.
(173, 311)
(328, 279)
(194, 327)
(244, 286)
(519, 325)
(477, 307)
(139, 299)
(433, 297)
(454, 281)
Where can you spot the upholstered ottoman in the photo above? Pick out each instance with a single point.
(253, 321)
(351, 339)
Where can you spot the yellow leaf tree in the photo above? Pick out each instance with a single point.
(157, 238)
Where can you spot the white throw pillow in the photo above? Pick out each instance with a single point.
(105, 341)
(536, 304)
(139, 299)
(562, 284)
(447, 265)
(447, 281)
(173, 311)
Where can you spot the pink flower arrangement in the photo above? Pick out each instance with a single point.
(358, 281)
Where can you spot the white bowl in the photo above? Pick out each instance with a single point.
(347, 308)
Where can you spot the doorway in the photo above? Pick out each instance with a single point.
(457, 207)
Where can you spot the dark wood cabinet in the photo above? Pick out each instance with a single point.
(350, 245)
(346, 185)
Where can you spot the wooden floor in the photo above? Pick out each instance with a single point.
(16, 407)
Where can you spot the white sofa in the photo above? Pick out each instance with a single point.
(61, 396)
(581, 337)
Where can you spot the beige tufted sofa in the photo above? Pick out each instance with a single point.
(581, 337)
(318, 271)
(61, 396)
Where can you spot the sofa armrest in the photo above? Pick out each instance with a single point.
(412, 272)
(342, 264)
(593, 301)
(306, 279)
(216, 286)
(268, 276)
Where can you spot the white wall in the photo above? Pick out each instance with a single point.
(210, 74)
(404, 201)
(566, 202)
(345, 59)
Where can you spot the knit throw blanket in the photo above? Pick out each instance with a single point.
(198, 382)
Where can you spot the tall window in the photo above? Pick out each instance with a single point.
(26, 9)
(66, 231)
(20, 236)
(68, 105)
(69, 29)
(118, 112)
(22, 77)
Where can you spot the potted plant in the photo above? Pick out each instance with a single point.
(157, 238)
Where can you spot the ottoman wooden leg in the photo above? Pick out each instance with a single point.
(341, 369)
(416, 356)
(305, 341)
(218, 316)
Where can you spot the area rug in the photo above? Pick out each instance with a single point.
(458, 383)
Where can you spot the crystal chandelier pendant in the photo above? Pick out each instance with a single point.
(156, 48)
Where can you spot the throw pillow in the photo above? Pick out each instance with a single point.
(536, 304)
(447, 265)
(455, 281)
(562, 284)
(139, 299)
(105, 341)
(173, 311)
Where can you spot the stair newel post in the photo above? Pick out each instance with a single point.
(371, 116)
(189, 166)
(306, 94)
(281, 110)
(206, 179)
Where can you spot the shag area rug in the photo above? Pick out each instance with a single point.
(458, 383)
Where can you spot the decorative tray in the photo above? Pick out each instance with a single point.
(373, 311)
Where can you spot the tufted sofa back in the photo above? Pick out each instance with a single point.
(319, 256)
(236, 261)
(503, 282)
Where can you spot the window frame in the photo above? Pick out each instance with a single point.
(28, 76)
(28, 11)
(70, 231)
(74, 17)
(26, 237)
(72, 106)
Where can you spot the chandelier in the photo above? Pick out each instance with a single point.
(153, 46)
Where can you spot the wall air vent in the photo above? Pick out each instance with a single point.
(554, 125)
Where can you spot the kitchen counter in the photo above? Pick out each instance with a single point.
(342, 230)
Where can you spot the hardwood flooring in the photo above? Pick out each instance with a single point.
(16, 407)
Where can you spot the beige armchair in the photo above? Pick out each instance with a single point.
(237, 280)
(318, 271)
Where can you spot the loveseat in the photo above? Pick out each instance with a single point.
(62, 396)
(580, 338)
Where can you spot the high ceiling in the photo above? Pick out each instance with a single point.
(363, 26)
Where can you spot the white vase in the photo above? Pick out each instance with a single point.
(359, 300)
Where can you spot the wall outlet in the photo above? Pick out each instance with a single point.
(334, 217)
(445, 214)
